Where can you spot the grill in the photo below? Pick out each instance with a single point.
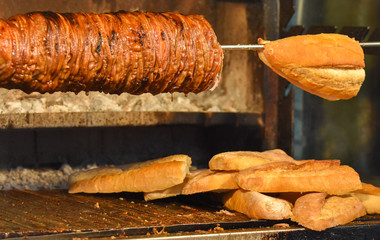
(252, 109)
(58, 215)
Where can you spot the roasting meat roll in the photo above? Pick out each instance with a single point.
(133, 52)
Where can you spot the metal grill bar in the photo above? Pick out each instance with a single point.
(255, 47)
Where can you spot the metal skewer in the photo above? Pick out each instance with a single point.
(370, 44)
(255, 47)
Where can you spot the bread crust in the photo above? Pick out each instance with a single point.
(257, 205)
(209, 180)
(239, 160)
(320, 50)
(165, 193)
(327, 65)
(318, 212)
(369, 189)
(147, 176)
(202, 180)
(172, 191)
(309, 176)
(369, 195)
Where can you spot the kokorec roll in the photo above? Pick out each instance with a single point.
(133, 52)
(330, 66)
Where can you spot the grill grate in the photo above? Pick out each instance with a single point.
(55, 214)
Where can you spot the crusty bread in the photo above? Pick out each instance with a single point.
(316, 211)
(245, 159)
(327, 65)
(91, 173)
(209, 180)
(368, 189)
(257, 205)
(146, 176)
(369, 195)
(172, 191)
(202, 180)
(166, 193)
(310, 176)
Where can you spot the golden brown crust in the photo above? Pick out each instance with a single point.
(369, 195)
(327, 65)
(316, 211)
(310, 176)
(202, 180)
(257, 205)
(321, 50)
(330, 84)
(155, 175)
(139, 165)
(239, 160)
(209, 180)
(91, 173)
(369, 201)
(369, 189)
(165, 193)
(172, 191)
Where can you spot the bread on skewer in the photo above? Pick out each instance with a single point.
(327, 65)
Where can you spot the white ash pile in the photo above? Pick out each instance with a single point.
(41, 179)
(15, 101)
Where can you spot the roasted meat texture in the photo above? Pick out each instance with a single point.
(133, 52)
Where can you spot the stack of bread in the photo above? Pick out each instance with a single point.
(317, 194)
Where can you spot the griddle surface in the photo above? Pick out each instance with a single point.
(28, 213)
(55, 214)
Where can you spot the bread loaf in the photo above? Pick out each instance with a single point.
(165, 193)
(239, 160)
(369, 195)
(328, 65)
(257, 205)
(318, 212)
(310, 176)
(146, 176)
(209, 180)
(171, 191)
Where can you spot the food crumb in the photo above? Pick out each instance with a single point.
(97, 205)
(187, 207)
(203, 231)
(281, 225)
(218, 228)
(156, 232)
(223, 211)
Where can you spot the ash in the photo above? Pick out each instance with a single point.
(41, 179)
(16, 101)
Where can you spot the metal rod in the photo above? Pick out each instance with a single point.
(370, 44)
(255, 47)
